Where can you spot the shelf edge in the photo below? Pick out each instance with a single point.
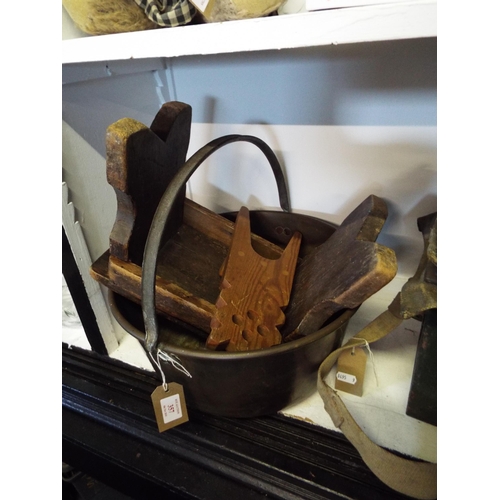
(405, 20)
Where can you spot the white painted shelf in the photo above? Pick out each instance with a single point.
(392, 21)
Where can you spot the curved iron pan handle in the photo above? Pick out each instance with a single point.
(162, 214)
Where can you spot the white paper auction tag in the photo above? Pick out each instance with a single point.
(351, 367)
(169, 406)
(347, 378)
(201, 5)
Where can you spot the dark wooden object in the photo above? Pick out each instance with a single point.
(422, 293)
(140, 164)
(187, 283)
(254, 290)
(341, 273)
(422, 400)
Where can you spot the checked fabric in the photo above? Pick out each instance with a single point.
(168, 12)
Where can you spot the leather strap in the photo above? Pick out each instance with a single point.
(412, 478)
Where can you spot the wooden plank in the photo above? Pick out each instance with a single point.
(342, 272)
(254, 290)
(221, 229)
(171, 300)
(140, 163)
(188, 267)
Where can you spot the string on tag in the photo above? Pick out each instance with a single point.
(174, 361)
(157, 363)
(367, 345)
(168, 358)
